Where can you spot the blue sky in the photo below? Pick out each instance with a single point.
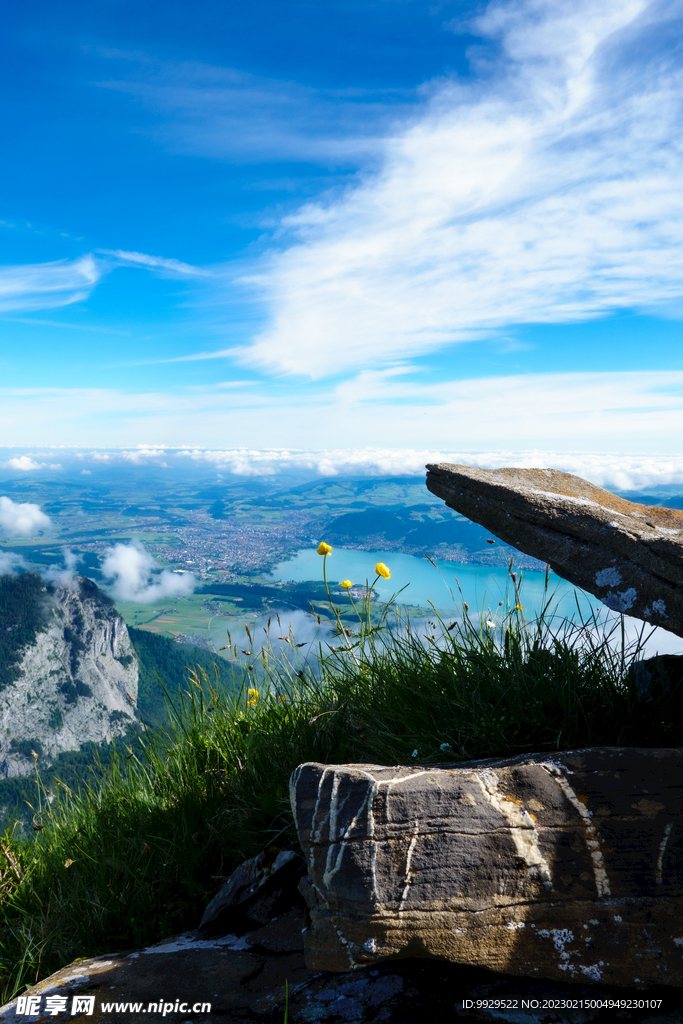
(398, 223)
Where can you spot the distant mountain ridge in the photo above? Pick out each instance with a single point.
(417, 529)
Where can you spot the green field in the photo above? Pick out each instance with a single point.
(195, 616)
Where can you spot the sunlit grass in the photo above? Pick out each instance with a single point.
(136, 857)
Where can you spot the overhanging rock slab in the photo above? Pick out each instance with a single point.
(567, 867)
(628, 555)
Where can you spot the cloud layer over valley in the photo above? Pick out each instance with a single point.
(129, 567)
(613, 470)
(21, 519)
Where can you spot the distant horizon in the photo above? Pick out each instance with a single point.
(613, 471)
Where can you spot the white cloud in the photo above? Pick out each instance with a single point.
(610, 470)
(63, 575)
(9, 563)
(546, 190)
(26, 464)
(63, 325)
(652, 639)
(141, 259)
(130, 566)
(47, 285)
(616, 470)
(23, 462)
(298, 625)
(143, 455)
(22, 519)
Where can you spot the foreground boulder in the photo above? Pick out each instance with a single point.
(260, 977)
(567, 867)
(630, 556)
(225, 981)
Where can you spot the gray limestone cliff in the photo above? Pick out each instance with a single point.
(68, 670)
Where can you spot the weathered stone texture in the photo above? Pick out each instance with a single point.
(628, 555)
(567, 866)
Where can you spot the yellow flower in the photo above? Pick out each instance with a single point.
(382, 570)
(253, 696)
(519, 607)
(346, 584)
(323, 548)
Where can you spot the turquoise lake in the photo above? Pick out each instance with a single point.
(482, 587)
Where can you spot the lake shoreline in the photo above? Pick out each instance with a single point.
(445, 583)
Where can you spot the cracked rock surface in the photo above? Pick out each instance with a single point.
(566, 866)
(630, 556)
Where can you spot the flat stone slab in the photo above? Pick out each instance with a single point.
(630, 556)
(568, 867)
(245, 984)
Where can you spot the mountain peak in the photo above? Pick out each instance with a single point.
(68, 669)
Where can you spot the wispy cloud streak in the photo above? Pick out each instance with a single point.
(546, 189)
(47, 285)
(176, 268)
(226, 112)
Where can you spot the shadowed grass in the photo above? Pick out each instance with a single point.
(135, 858)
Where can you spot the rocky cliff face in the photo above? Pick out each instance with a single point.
(69, 673)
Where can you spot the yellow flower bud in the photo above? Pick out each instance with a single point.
(346, 584)
(323, 548)
(382, 570)
(253, 696)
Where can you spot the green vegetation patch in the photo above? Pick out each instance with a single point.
(27, 748)
(24, 612)
(56, 719)
(165, 663)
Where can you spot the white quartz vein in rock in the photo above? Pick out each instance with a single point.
(408, 873)
(660, 854)
(337, 845)
(592, 838)
(522, 828)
